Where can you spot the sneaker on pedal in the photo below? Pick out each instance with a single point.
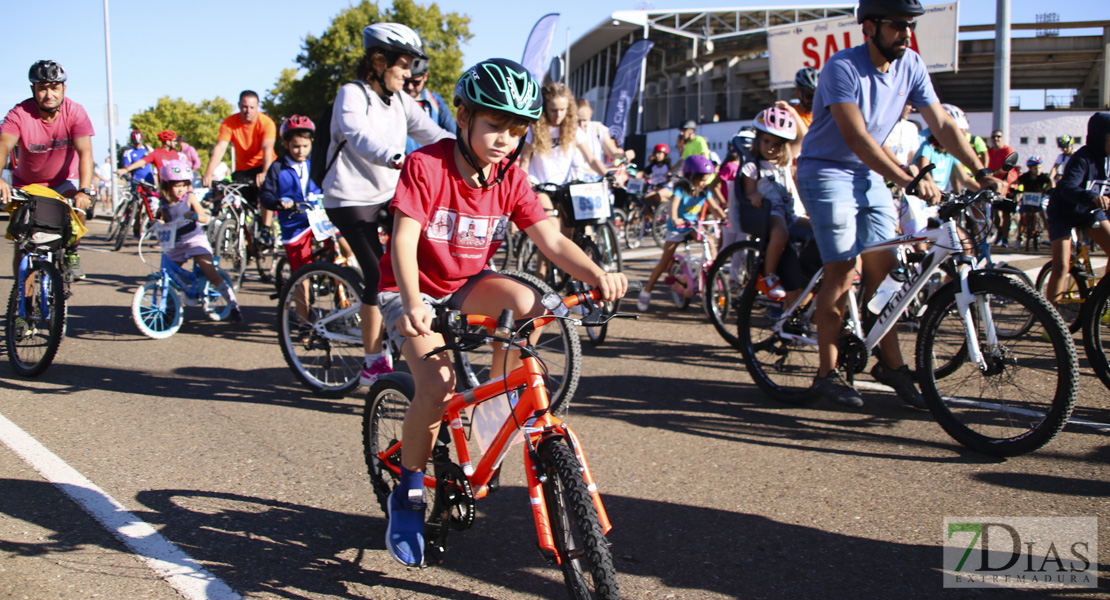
(774, 287)
(643, 300)
(835, 388)
(404, 537)
(369, 375)
(902, 381)
(73, 266)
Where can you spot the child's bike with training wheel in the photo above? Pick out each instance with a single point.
(158, 307)
(567, 511)
(687, 274)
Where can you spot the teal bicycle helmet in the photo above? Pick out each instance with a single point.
(504, 86)
(500, 84)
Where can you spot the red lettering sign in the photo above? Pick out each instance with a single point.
(814, 59)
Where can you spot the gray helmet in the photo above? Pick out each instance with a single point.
(870, 9)
(689, 125)
(47, 71)
(806, 79)
(393, 37)
(500, 84)
(419, 67)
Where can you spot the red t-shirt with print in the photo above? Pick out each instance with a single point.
(159, 157)
(461, 226)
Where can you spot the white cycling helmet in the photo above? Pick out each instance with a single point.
(957, 115)
(776, 121)
(393, 37)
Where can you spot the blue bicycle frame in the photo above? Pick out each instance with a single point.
(45, 284)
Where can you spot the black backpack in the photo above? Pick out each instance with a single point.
(321, 164)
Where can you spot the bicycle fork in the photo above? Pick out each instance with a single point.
(44, 285)
(535, 490)
(964, 301)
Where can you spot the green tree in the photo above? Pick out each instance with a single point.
(329, 61)
(199, 122)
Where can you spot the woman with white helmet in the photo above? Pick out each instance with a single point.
(369, 126)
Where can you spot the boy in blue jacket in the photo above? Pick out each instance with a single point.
(1081, 199)
(287, 184)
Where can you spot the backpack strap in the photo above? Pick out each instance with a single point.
(339, 146)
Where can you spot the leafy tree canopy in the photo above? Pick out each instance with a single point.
(329, 61)
(198, 123)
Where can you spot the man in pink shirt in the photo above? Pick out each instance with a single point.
(53, 137)
(189, 152)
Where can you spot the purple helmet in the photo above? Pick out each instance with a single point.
(696, 164)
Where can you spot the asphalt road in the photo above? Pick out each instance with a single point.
(714, 490)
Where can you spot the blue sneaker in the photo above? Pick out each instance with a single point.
(404, 538)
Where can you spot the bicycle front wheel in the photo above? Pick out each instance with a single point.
(118, 216)
(782, 360)
(584, 554)
(35, 332)
(1096, 330)
(720, 298)
(608, 257)
(232, 251)
(127, 221)
(634, 228)
(157, 310)
(1021, 398)
(559, 348)
(659, 223)
(319, 329)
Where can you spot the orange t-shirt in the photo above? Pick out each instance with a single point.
(247, 139)
(806, 118)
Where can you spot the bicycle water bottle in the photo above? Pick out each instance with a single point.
(892, 282)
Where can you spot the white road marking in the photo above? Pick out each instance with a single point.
(180, 570)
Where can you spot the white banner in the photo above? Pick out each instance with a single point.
(811, 44)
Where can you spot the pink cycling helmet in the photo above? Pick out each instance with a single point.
(776, 121)
(297, 123)
(957, 115)
(176, 170)
(696, 164)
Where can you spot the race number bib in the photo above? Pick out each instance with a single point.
(1032, 199)
(167, 234)
(590, 200)
(321, 225)
(635, 186)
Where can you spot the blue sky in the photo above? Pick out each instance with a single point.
(208, 48)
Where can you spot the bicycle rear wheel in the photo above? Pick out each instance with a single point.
(33, 338)
(679, 285)
(325, 363)
(157, 310)
(584, 553)
(782, 360)
(382, 423)
(117, 218)
(559, 348)
(1070, 303)
(1028, 390)
(720, 301)
(1096, 330)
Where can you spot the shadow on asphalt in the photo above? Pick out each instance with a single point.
(275, 386)
(263, 546)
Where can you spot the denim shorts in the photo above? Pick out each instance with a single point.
(847, 215)
(392, 308)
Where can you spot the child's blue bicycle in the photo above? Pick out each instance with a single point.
(158, 307)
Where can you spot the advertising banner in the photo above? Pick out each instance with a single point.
(811, 44)
(625, 86)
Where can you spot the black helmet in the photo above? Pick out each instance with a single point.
(501, 84)
(869, 9)
(806, 79)
(393, 37)
(418, 68)
(47, 71)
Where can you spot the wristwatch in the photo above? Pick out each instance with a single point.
(981, 173)
(395, 159)
(90, 192)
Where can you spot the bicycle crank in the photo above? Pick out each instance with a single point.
(453, 508)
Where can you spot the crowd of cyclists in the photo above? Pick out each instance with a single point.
(834, 165)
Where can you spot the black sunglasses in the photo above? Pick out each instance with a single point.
(899, 24)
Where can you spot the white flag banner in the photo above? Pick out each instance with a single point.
(813, 43)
